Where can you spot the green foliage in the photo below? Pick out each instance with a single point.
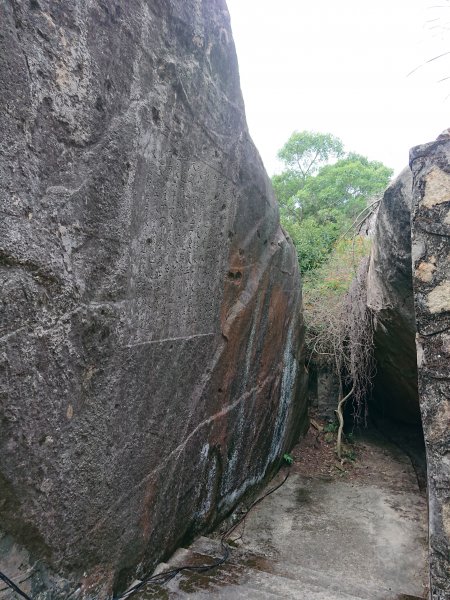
(319, 201)
(345, 185)
(288, 459)
(350, 438)
(331, 427)
(313, 239)
(287, 186)
(306, 151)
(349, 455)
(329, 283)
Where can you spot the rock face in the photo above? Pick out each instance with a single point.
(323, 388)
(390, 298)
(150, 342)
(409, 292)
(430, 166)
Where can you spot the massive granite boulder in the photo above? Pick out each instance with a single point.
(430, 164)
(150, 343)
(390, 299)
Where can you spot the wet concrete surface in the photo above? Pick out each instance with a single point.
(353, 532)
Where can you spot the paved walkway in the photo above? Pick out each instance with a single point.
(331, 532)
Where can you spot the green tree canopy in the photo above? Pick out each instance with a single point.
(306, 151)
(346, 185)
(318, 200)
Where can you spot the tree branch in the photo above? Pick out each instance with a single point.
(311, 163)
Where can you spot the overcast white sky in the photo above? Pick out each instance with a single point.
(342, 67)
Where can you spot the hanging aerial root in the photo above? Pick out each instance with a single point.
(339, 412)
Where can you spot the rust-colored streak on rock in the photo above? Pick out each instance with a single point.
(150, 346)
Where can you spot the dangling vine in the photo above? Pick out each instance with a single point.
(340, 329)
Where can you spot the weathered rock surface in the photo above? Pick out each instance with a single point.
(323, 388)
(150, 301)
(430, 166)
(390, 298)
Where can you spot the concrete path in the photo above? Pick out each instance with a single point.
(356, 531)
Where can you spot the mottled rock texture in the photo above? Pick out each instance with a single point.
(430, 166)
(150, 334)
(323, 388)
(390, 298)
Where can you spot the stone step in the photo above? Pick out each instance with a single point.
(247, 575)
(205, 550)
(229, 583)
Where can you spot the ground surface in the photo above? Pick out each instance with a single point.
(333, 531)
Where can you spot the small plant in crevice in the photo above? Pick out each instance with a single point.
(331, 427)
(350, 438)
(349, 455)
(288, 458)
